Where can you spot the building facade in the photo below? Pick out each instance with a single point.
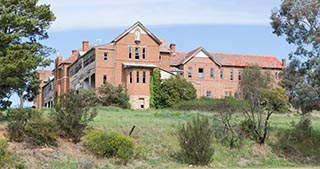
(130, 58)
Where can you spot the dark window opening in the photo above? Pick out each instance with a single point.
(105, 78)
(105, 56)
(130, 77)
(138, 78)
(144, 51)
(144, 77)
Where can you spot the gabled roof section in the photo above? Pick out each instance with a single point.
(134, 26)
(194, 52)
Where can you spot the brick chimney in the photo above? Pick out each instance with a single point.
(284, 64)
(173, 49)
(75, 54)
(85, 45)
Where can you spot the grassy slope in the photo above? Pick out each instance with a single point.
(155, 136)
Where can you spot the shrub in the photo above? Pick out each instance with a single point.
(113, 96)
(42, 132)
(72, 113)
(174, 90)
(300, 131)
(30, 125)
(5, 157)
(195, 139)
(110, 145)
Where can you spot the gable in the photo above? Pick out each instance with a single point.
(201, 54)
(133, 29)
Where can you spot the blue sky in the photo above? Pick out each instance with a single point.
(232, 26)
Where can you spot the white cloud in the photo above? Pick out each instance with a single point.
(89, 14)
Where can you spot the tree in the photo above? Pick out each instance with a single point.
(176, 89)
(116, 96)
(263, 102)
(299, 22)
(23, 24)
(155, 84)
(73, 111)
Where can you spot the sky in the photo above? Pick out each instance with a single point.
(230, 26)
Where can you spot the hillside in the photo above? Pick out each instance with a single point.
(158, 146)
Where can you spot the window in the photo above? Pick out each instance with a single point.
(138, 78)
(130, 77)
(160, 59)
(239, 74)
(137, 51)
(105, 56)
(137, 36)
(130, 52)
(276, 76)
(231, 74)
(105, 78)
(211, 73)
(200, 71)
(221, 74)
(209, 93)
(144, 51)
(190, 72)
(143, 77)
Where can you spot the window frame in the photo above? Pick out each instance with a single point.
(201, 74)
(137, 53)
(130, 52)
(189, 72)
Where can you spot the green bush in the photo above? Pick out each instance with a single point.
(110, 145)
(300, 131)
(30, 125)
(174, 90)
(5, 157)
(195, 139)
(42, 132)
(113, 96)
(72, 113)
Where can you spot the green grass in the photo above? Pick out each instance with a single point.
(155, 133)
(158, 145)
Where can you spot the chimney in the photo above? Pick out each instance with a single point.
(173, 49)
(284, 64)
(75, 54)
(85, 45)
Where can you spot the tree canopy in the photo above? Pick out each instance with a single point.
(299, 22)
(23, 24)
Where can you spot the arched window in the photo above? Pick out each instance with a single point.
(137, 36)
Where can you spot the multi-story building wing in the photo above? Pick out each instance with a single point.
(130, 58)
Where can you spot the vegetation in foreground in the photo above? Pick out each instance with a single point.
(157, 144)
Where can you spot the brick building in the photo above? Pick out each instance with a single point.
(130, 58)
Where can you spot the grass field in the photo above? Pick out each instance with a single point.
(158, 145)
(155, 134)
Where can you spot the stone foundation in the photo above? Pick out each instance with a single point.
(139, 102)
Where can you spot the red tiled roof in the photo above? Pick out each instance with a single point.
(246, 59)
(226, 59)
(178, 58)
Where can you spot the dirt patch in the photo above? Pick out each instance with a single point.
(43, 157)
